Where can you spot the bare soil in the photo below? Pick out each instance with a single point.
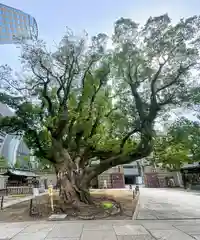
(123, 208)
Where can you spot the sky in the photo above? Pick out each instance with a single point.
(93, 16)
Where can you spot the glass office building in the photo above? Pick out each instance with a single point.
(15, 24)
(12, 147)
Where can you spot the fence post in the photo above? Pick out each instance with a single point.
(2, 198)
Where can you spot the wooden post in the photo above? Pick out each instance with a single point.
(52, 207)
(3, 193)
(31, 207)
(133, 194)
(2, 198)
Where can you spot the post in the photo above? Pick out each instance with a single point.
(50, 191)
(137, 189)
(133, 194)
(2, 198)
(3, 193)
(31, 207)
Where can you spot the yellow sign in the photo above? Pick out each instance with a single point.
(50, 190)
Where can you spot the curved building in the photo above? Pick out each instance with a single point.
(12, 147)
(15, 24)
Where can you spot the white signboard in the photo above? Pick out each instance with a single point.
(35, 192)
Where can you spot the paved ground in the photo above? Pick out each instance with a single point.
(154, 204)
(102, 230)
(169, 204)
(9, 201)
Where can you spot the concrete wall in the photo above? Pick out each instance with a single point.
(131, 171)
(106, 176)
(163, 173)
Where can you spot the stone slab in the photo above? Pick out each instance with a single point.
(62, 238)
(40, 227)
(31, 236)
(124, 238)
(168, 204)
(98, 235)
(97, 226)
(170, 235)
(197, 237)
(143, 237)
(130, 230)
(57, 217)
(9, 233)
(192, 229)
(146, 216)
(101, 230)
(66, 230)
(158, 226)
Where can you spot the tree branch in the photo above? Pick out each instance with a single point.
(134, 85)
(129, 134)
(143, 149)
(45, 90)
(78, 108)
(181, 71)
(156, 76)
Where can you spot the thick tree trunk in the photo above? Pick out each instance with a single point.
(72, 191)
(73, 185)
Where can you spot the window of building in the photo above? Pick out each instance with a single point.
(130, 166)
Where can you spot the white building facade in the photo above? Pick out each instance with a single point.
(133, 173)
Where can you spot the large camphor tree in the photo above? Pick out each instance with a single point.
(85, 102)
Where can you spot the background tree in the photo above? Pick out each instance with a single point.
(3, 162)
(179, 145)
(187, 133)
(84, 101)
(170, 153)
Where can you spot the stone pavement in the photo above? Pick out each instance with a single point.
(9, 200)
(102, 230)
(168, 204)
(155, 204)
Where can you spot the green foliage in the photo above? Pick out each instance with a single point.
(187, 133)
(179, 145)
(88, 100)
(3, 162)
(17, 164)
(170, 154)
(107, 205)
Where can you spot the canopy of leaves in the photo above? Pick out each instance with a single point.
(92, 101)
(3, 162)
(187, 133)
(179, 145)
(170, 154)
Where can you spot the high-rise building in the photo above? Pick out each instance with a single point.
(15, 24)
(12, 147)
